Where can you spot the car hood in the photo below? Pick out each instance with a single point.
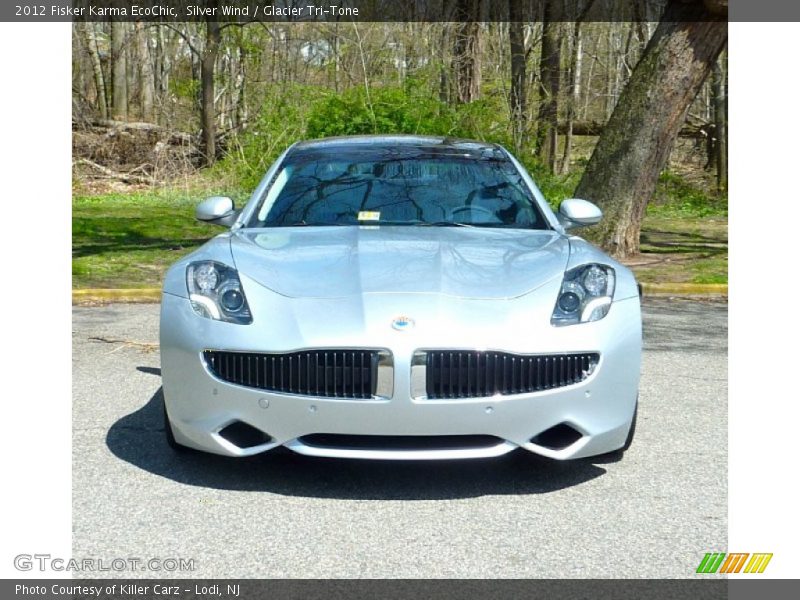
(335, 262)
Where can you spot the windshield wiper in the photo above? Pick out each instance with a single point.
(447, 224)
(304, 224)
(419, 223)
(374, 223)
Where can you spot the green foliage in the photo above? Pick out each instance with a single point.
(554, 187)
(383, 110)
(410, 109)
(185, 88)
(279, 123)
(484, 119)
(678, 197)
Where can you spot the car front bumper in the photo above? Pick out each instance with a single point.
(599, 408)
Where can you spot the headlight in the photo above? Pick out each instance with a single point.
(585, 295)
(215, 292)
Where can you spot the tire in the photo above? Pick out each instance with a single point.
(171, 442)
(632, 430)
(616, 455)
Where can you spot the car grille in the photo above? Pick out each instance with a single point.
(474, 374)
(330, 373)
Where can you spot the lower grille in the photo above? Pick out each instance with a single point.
(329, 373)
(400, 442)
(474, 374)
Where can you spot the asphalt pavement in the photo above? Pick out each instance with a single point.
(653, 514)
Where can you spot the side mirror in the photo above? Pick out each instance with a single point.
(574, 213)
(217, 210)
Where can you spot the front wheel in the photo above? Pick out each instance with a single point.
(616, 455)
(632, 430)
(171, 441)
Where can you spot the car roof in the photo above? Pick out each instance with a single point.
(413, 143)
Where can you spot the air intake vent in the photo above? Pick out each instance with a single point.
(473, 374)
(243, 435)
(558, 437)
(329, 373)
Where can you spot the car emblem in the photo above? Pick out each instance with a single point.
(403, 323)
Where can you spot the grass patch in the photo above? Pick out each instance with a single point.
(683, 250)
(678, 196)
(682, 269)
(129, 240)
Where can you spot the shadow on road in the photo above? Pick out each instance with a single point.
(138, 438)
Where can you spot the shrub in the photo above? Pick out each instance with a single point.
(382, 111)
(280, 122)
(409, 109)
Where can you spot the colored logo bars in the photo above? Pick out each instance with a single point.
(716, 562)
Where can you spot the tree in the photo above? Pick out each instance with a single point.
(720, 97)
(208, 114)
(550, 76)
(574, 81)
(90, 42)
(519, 78)
(467, 51)
(145, 75)
(119, 71)
(207, 59)
(634, 147)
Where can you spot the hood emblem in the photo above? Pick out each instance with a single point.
(402, 323)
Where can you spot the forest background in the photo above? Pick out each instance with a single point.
(630, 114)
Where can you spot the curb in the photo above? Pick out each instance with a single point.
(94, 296)
(153, 295)
(688, 289)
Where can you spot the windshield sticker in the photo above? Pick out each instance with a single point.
(369, 215)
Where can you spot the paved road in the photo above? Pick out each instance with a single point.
(653, 514)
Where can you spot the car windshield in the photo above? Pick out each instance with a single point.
(382, 186)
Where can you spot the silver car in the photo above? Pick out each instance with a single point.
(400, 297)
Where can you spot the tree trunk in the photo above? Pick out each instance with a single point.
(81, 87)
(573, 93)
(97, 68)
(146, 75)
(467, 51)
(161, 71)
(623, 171)
(337, 59)
(574, 80)
(444, 76)
(550, 80)
(519, 78)
(240, 116)
(589, 79)
(719, 92)
(611, 70)
(119, 71)
(208, 114)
